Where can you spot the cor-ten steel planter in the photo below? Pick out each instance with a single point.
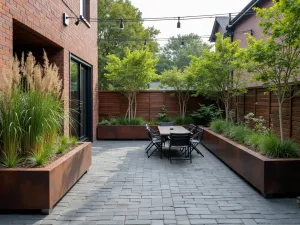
(122, 132)
(272, 177)
(42, 188)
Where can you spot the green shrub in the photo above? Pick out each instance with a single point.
(271, 146)
(183, 121)
(238, 132)
(104, 122)
(161, 117)
(73, 140)
(253, 139)
(218, 126)
(205, 114)
(123, 121)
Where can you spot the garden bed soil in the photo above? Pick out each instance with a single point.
(42, 188)
(272, 177)
(122, 132)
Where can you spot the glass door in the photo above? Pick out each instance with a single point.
(79, 101)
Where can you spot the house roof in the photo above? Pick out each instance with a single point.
(220, 21)
(244, 13)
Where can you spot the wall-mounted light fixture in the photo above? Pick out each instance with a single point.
(66, 19)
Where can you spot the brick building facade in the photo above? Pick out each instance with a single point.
(34, 25)
(246, 22)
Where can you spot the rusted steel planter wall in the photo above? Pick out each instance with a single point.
(122, 132)
(272, 177)
(42, 188)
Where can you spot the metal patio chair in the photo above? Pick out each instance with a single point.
(155, 141)
(191, 128)
(182, 143)
(196, 140)
(166, 124)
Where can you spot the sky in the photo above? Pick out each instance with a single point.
(175, 8)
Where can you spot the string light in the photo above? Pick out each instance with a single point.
(178, 23)
(182, 42)
(122, 24)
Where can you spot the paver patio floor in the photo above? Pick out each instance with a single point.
(125, 187)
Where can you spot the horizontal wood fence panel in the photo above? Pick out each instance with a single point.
(262, 103)
(149, 103)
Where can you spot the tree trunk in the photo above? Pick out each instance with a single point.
(280, 120)
(135, 104)
(226, 104)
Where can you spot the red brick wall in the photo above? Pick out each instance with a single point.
(45, 18)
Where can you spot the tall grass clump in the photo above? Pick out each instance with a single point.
(41, 120)
(272, 146)
(253, 140)
(218, 126)
(31, 112)
(238, 133)
(10, 129)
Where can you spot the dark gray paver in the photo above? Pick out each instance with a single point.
(125, 187)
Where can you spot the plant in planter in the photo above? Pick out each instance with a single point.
(33, 173)
(261, 140)
(276, 56)
(130, 75)
(213, 72)
(205, 114)
(181, 82)
(31, 113)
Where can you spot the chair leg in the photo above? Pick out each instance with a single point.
(190, 149)
(149, 147)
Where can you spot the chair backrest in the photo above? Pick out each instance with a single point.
(191, 128)
(180, 140)
(199, 134)
(149, 133)
(166, 124)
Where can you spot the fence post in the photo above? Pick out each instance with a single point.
(269, 108)
(255, 100)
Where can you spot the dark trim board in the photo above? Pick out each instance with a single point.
(272, 177)
(89, 92)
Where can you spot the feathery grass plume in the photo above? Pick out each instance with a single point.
(51, 80)
(29, 69)
(38, 77)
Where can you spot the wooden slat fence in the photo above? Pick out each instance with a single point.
(149, 103)
(262, 103)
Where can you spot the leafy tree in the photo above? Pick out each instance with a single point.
(113, 40)
(213, 72)
(180, 81)
(129, 75)
(176, 54)
(276, 57)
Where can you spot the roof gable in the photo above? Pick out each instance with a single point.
(221, 21)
